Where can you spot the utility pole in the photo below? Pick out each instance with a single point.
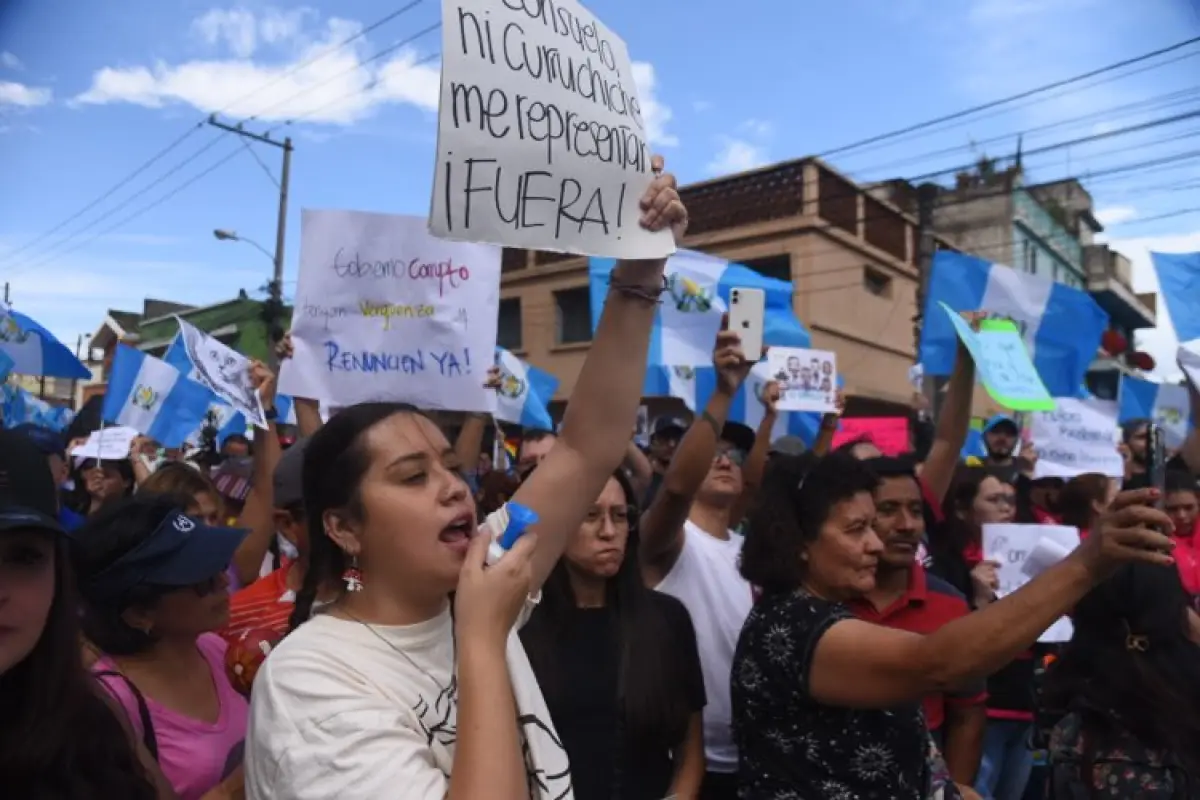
(75, 381)
(273, 311)
(927, 194)
(6, 300)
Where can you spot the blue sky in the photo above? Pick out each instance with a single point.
(89, 91)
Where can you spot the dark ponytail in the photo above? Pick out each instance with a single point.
(335, 461)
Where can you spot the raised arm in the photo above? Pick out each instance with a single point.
(661, 527)
(1190, 452)
(860, 665)
(952, 423)
(603, 407)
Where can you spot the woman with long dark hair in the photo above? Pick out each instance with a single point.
(1129, 682)
(618, 663)
(392, 687)
(1083, 499)
(60, 738)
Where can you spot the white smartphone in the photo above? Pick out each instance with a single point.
(747, 310)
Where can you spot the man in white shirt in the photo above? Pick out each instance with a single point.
(689, 552)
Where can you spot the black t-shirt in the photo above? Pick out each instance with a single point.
(789, 744)
(586, 716)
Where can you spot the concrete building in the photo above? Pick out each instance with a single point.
(851, 258)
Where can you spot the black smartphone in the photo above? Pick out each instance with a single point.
(1156, 460)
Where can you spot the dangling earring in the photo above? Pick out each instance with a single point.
(352, 576)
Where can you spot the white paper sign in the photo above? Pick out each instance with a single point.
(106, 444)
(384, 311)
(1078, 436)
(541, 137)
(807, 379)
(1025, 551)
(223, 370)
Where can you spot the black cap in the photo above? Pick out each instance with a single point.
(672, 427)
(288, 479)
(28, 496)
(740, 436)
(49, 442)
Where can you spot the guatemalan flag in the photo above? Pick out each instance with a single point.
(685, 330)
(1061, 325)
(228, 420)
(34, 350)
(1179, 287)
(153, 398)
(1165, 403)
(525, 392)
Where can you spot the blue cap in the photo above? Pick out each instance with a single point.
(181, 552)
(1001, 419)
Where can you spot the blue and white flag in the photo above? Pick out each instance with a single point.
(6, 366)
(1179, 287)
(153, 398)
(689, 317)
(177, 357)
(685, 330)
(20, 407)
(1061, 325)
(1165, 403)
(525, 392)
(35, 351)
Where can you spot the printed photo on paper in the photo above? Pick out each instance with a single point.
(807, 378)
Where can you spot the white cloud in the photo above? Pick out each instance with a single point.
(1115, 215)
(655, 113)
(700, 106)
(337, 88)
(240, 30)
(18, 94)
(737, 155)
(1161, 342)
(9, 60)
(759, 128)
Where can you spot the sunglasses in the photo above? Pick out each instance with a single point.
(736, 456)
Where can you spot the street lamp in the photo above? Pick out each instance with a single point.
(230, 236)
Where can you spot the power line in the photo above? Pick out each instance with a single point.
(198, 125)
(1010, 99)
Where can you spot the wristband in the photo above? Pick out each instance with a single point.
(711, 420)
(271, 414)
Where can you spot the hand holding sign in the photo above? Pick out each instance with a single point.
(1004, 365)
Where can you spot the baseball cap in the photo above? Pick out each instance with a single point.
(180, 552)
(28, 496)
(1001, 419)
(46, 440)
(288, 479)
(740, 436)
(669, 426)
(234, 478)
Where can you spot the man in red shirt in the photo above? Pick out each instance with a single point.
(908, 598)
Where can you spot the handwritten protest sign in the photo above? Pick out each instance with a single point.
(807, 378)
(384, 311)
(1076, 437)
(889, 434)
(1003, 363)
(106, 444)
(1023, 552)
(225, 372)
(541, 137)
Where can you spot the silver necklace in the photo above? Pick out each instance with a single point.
(442, 690)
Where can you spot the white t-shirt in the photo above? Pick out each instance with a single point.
(336, 712)
(706, 580)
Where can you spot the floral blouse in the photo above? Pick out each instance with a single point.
(1127, 771)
